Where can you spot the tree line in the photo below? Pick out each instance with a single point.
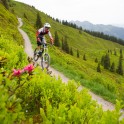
(105, 36)
(106, 63)
(93, 33)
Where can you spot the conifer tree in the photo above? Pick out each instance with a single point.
(84, 57)
(96, 60)
(98, 68)
(120, 67)
(106, 61)
(71, 51)
(38, 21)
(112, 68)
(25, 16)
(102, 60)
(66, 46)
(56, 40)
(5, 3)
(78, 55)
(121, 55)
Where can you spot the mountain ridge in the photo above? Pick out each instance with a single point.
(106, 29)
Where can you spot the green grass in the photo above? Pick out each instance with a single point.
(106, 84)
(89, 80)
(34, 97)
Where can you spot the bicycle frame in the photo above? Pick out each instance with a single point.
(45, 58)
(45, 49)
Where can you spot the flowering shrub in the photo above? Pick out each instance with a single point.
(29, 68)
(17, 72)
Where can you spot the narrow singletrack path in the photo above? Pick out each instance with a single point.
(28, 49)
(27, 43)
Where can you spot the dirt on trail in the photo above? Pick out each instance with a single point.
(28, 49)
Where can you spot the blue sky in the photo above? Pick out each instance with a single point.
(94, 11)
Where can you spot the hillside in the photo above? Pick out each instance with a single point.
(29, 95)
(10, 39)
(73, 67)
(75, 39)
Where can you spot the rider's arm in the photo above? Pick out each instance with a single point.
(49, 33)
(51, 38)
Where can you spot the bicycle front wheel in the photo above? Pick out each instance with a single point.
(45, 61)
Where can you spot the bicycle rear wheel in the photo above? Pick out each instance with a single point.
(36, 56)
(45, 61)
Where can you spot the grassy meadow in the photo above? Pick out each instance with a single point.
(107, 84)
(33, 96)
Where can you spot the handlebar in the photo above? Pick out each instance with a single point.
(46, 44)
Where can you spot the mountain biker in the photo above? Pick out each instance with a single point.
(40, 35)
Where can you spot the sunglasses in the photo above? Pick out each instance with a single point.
(47, 27)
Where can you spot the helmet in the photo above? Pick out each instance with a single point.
(47, 25)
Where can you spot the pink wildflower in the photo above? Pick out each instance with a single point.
(29, 68)
(17, 72)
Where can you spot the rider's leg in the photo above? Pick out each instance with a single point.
(39, 42)
(38, 46)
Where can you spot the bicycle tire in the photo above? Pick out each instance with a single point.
(45, 61)
(35, 57)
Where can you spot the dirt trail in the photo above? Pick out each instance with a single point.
(28, 49)
(28, 46)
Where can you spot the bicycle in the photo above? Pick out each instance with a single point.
(43, 55)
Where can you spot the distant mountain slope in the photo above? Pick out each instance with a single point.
(106, 29)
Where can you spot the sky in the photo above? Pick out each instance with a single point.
(94, 11)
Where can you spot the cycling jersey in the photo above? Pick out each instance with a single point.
(41, 32)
